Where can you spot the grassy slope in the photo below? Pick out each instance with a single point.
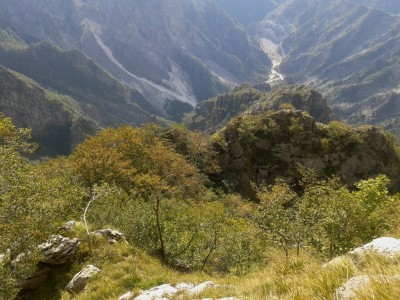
(124, 269)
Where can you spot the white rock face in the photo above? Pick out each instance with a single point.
(165, 291)
(127, 296)
(385, 246)
(201, 288)
(349, 289)
(158, 292)
(59, 250)
(78, 283)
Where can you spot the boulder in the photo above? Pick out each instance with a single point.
(165, 291)
(349, 289)
(158, 292)
(79, 281)
(59, 250)
(126, 296)
(184, 286)
(69, 226)
(113, 236)
(198, 289)
(385, 246)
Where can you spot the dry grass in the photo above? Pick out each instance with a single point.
(124, 269)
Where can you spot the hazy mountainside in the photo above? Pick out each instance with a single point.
(168, 50)
(248, 11)
(56, 121)
(64, 97)
(390, 6)
(123, 61)
(263, 148)
(348, 51)
(101, 97)
(213, 114)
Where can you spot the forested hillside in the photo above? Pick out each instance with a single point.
(172, 195)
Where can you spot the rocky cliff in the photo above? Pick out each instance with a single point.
(215, 113)
(56, 122)
(259, 149)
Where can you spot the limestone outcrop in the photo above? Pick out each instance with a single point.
(79, 281)
(166, 291)
(364, 283)
(385, 246)
(59, 250)
(113, 236)
(259, 149)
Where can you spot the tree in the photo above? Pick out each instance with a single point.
(327, 216)
(33, 204)
(195, 146)
(341, 219)
(329, 213)
(143, 164)
(278, 215)
(169, 176)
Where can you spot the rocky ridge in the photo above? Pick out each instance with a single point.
(259, 149)
(213, 114)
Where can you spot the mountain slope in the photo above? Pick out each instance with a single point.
(348, 50)
(390, 6)
(56, 120)
(213, 114)
(101, 97)
(247, 12)
(169, 51)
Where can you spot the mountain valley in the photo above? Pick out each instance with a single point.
(199, 149)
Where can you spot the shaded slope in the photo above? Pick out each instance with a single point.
(101, 97)
(56, 121)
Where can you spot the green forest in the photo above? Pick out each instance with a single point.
(183, 221)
